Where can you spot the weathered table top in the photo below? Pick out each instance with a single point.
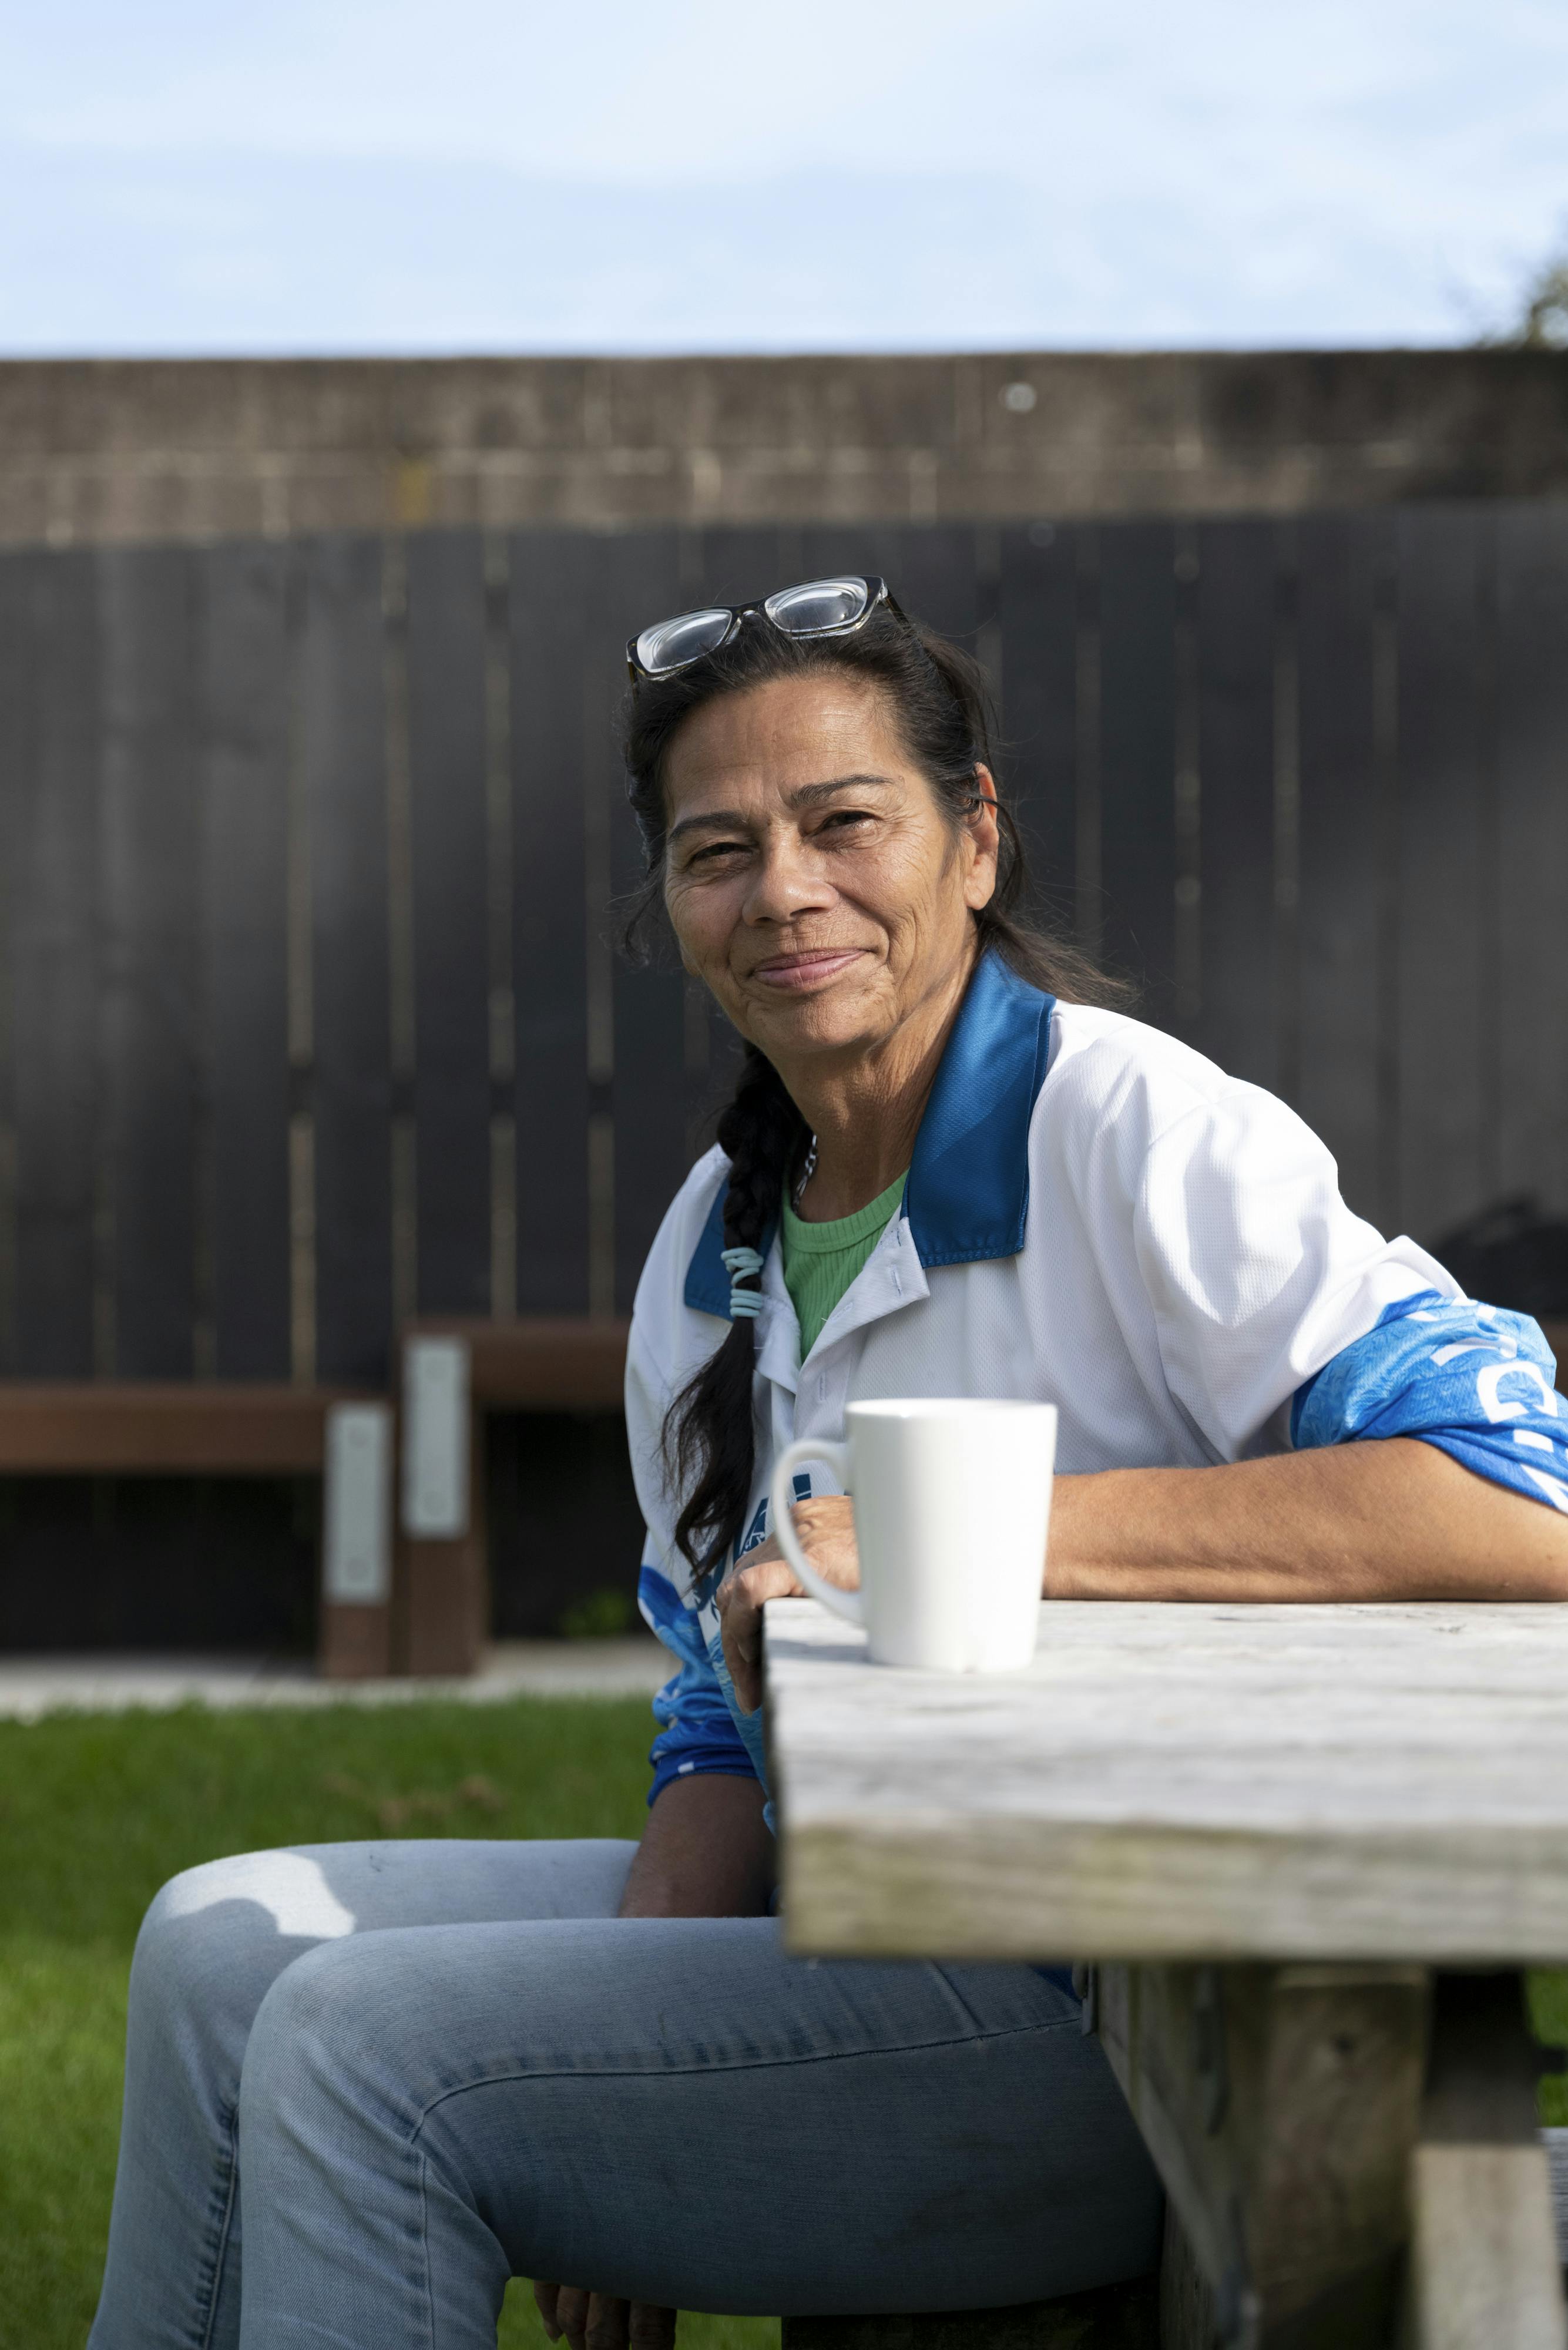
(1183, 1781)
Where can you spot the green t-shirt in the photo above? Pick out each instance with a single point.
(820, 1261)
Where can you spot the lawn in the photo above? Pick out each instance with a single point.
(97, 1810)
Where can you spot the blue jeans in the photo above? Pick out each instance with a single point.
(394, 2076)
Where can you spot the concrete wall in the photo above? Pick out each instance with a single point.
(110, 450)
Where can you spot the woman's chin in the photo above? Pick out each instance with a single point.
(834, 1020)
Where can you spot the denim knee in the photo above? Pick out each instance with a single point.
(215, 1937)
(326, 2051)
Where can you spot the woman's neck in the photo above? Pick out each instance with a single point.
(865, 1110)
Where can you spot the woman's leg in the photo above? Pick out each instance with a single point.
(674, 2111)
(212, 1943)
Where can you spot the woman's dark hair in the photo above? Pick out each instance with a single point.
(942, 705)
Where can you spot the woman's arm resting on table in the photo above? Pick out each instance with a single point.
(706, 1852)
(1396, 1518)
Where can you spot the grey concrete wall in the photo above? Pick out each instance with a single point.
(110, 450)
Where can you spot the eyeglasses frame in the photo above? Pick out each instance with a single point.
(879, 598)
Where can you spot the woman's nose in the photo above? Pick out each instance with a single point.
(788, 881)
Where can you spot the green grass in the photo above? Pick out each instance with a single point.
(97, 1810)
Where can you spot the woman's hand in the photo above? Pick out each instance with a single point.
(595, 2320)
(825, 1531)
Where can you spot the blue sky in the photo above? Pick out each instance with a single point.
(686, 175)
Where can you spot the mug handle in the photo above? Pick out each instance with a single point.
(781, 1504)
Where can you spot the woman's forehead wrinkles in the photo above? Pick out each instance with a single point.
(798, 796)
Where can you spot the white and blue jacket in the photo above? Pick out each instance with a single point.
(1098, 1218)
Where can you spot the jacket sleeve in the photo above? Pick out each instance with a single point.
(697, 1730)
(1258, 1273)
(1471, 1379)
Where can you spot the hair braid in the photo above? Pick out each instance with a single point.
(709, 1433)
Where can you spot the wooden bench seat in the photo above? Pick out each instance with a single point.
(1117, 2317)
(136, 1428)
(128, 1428)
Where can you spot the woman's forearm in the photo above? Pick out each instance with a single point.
(1392, 1520)
(706, 1852)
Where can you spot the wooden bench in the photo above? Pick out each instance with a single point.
(236, 1429)
(1118, 2317)
(454, 1373)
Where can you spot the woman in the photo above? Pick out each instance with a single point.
(402, 2072)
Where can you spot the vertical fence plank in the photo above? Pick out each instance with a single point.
(931, 569)
(551, 576)
(729, 566)
(18, 716)
(54, 971)
(1038, 624)
(341, 735)
(1236, 1025)
(245, 698)
(935, 563)
(1445, 845)
(446, 624)
(1531, 1145)
(1138, 717)
(152, 868)
(638, 584)
(1340, 910)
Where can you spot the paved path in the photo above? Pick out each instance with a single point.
(32, 1686)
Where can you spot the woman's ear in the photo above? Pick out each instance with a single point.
(984, 835)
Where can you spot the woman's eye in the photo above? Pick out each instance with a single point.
(846, 820)
(715, 848)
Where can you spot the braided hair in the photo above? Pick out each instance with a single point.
(941, 701)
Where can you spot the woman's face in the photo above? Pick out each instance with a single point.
(812, 881)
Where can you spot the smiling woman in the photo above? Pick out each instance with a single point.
(838, 859)
(951, 1169)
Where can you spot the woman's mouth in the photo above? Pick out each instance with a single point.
(792, 975)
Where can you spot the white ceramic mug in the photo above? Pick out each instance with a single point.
(952, 1500)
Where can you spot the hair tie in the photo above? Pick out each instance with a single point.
(743, 1264)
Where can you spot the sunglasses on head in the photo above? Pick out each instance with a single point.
(818, 608)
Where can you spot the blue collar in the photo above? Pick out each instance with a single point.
(968, 1193)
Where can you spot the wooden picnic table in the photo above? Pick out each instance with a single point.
(1301, 1856)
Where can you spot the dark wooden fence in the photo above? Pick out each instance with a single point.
(311, 1013)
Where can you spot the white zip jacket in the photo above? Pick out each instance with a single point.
(1095, 1217)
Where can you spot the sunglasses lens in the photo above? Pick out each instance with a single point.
(818, 607)
(670, 644)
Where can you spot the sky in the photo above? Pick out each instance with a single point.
(387, 176)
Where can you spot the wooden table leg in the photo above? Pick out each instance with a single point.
(1306, 2138)
(1484, 2271)
(1281, 2105)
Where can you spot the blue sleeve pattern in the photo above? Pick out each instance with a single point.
(1474, 1381)
(697, 1730)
